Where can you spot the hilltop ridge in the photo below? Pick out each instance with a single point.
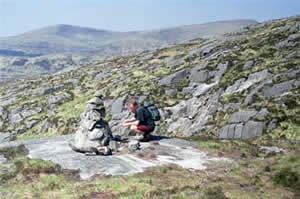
(74, 39)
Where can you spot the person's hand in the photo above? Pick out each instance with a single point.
(124, 124)
(125, 121)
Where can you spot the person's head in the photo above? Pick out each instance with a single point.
(132, 105)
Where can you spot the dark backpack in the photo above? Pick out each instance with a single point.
(155, 115)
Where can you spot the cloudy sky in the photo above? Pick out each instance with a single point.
(18, 16)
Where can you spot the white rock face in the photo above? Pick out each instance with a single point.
(241, 84)
(165, 151)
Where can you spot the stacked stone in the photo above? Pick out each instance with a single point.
(94, 134)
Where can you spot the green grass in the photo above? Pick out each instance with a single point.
(74, 108)
(287, 129)
(209, 144)
(273, 177)
(43, 179)
(232, 98)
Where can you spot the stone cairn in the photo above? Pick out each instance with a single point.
(94, 135)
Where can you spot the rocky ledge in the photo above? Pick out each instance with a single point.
(159, 151)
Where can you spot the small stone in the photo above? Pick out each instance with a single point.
(96, 134)
(98, 94)
(134, 145)
(99, 108)
(88, 124)
(96, 101)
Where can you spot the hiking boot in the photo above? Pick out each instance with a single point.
(147, 137)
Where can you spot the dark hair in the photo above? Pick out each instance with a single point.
(132, 100)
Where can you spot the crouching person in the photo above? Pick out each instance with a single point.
(142, 124)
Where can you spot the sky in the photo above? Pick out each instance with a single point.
(19, 16)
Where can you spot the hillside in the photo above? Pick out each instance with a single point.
(12, 68)
(242, 88)
(229, 74)
(73, 39)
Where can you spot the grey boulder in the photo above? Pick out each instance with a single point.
(174, 78)
(118, 105)
(278, 89)
(242, 116)
(242, 131)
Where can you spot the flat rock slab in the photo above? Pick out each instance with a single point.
(158, 152)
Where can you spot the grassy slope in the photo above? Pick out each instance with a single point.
(255, 174)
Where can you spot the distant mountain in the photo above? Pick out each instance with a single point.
(74, 39)
(59, 39)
